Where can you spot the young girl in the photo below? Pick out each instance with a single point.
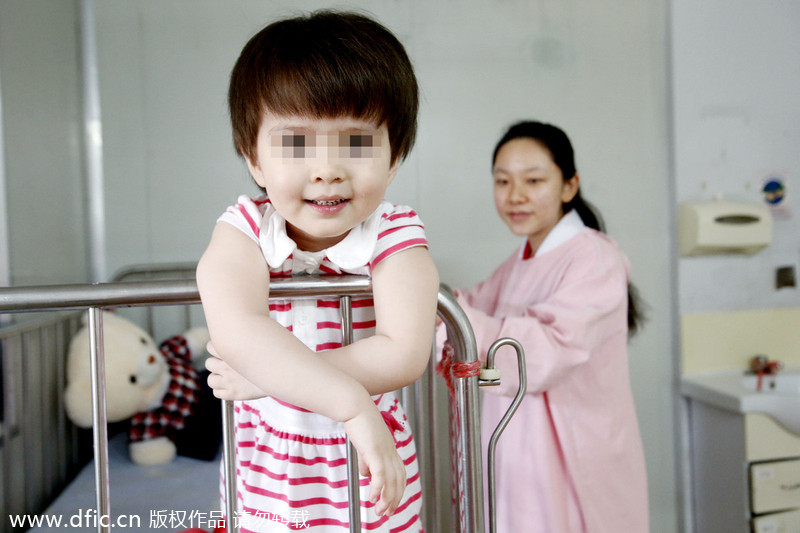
(571, 458)
(323, 109)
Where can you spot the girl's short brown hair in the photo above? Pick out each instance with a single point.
(325, 65)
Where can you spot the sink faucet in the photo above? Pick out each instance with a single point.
(761, 366)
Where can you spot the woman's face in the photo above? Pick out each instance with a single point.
(529, 189)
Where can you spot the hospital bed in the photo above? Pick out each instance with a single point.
(44, 460)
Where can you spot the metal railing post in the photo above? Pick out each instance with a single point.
(353, 480)
(99, 427)
(466, 406)
(229, 460)
(431, 498)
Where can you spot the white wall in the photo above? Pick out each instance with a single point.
(5, 273)
(41, 141)
(736, 117)
(736, 73)
(597, 70)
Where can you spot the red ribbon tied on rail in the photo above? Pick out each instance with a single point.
(448, 368)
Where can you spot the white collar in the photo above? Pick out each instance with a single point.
(565, 229)
(354, 251)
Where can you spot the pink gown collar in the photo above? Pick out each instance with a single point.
(569, 226)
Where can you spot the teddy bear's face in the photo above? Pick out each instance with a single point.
(136, 372)
(150, 365)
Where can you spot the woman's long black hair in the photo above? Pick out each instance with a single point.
(557, 143)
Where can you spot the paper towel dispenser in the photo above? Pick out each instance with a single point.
(723, 227)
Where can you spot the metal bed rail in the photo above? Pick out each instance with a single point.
(465, 452)
(162, 321)
(40, 450)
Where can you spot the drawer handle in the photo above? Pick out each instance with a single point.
(793, 486)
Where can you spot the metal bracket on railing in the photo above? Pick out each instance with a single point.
(523, 383)
(489, 377)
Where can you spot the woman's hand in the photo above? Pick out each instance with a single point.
(227, 383)
(377, 459)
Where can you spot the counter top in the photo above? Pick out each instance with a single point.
(726, 390)
(721, 389)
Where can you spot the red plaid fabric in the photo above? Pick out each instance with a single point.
(179, 400)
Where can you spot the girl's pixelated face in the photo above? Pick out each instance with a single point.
(529, 189)
(324, 176)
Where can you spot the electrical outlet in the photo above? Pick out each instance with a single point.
(785, 277)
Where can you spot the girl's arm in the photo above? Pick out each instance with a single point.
(233, 279)
(405, 288)
(405, 291)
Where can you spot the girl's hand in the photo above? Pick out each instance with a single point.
(377, 459)
(227, 383)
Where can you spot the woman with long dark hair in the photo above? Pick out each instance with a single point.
(571, 459)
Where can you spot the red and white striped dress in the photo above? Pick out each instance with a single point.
(291, 466)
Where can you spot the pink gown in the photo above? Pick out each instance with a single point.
(571, 459)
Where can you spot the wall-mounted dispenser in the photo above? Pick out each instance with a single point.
(723, 227)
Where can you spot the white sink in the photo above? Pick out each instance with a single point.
(786, 382)
(733, 390)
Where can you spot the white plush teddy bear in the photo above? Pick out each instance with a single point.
(171, 408)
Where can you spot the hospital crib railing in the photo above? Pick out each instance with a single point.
(466, 505)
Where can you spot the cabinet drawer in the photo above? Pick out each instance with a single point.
(766, 440)
(775, 486)
(777, 523)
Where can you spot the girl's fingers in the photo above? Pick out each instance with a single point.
(400, 488)
(210, 349)
(217, 384)
(363, 467)
(213, 364)
(387, 491)
(378, 491)
(375, 486)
